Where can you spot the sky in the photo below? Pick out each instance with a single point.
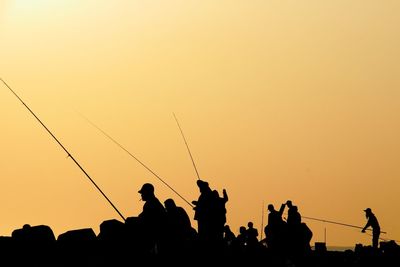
(278, 100)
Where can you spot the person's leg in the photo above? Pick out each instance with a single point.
(375, 238)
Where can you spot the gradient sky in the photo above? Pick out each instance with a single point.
(278, 100)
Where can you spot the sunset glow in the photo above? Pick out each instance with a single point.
(278, 100)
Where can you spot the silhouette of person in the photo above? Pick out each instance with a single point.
(252, 236)
(275, 231)
(219, 214)
(229, 236)
(204, 211)
(298, 233)
(274, 216)
(374, 224)
(178, 221)
(152, 218)
(241, 239)
(294, 217)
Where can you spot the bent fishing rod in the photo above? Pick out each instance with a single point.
(66, 151)
(187, 146)
(338, 223)
(139, 161)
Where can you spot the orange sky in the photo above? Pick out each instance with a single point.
(278, 100)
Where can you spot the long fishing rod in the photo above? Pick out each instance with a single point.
(384, 239)
(66, 151)
(187, 146)
(338, 223)
(139, 161)
(262, 221)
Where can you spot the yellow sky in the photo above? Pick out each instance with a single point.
(278, 100)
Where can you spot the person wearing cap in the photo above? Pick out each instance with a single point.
(373, 222)
(153, 216)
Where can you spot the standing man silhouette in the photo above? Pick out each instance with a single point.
(373, 222)
(152, 218)
(204, 211)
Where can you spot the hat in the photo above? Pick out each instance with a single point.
(367, 210)
(146, 188)
(201, 183)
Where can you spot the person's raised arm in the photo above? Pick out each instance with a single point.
(225, 195)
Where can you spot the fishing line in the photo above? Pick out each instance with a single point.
(139, 161)
(187, 146)
(69, 154)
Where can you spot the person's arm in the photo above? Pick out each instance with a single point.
(225, 195)
(282, 209)
(366, 226)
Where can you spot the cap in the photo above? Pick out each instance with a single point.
(367, 210)
(146, 188)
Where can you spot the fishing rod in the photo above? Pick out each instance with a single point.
(187, 146)
(66, 151)
(139, 161)
(338, 223)
(384, 239)
(262, 221)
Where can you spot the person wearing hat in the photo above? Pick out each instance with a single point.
(373, 222)
(153, 216)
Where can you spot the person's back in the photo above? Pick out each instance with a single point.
(153, 212)
(373, 222)
(275, 231)
(294, 217)
(178, 220)
(274, 217)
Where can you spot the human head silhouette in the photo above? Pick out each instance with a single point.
(169, 204)
(146, 191)
(203, 185)
(271, 207)
(368, 212)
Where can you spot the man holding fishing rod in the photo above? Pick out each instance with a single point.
(376, 229)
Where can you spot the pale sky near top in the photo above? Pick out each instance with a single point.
(278, 100)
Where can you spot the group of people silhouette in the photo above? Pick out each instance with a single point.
(162, 232)
(167, 227)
